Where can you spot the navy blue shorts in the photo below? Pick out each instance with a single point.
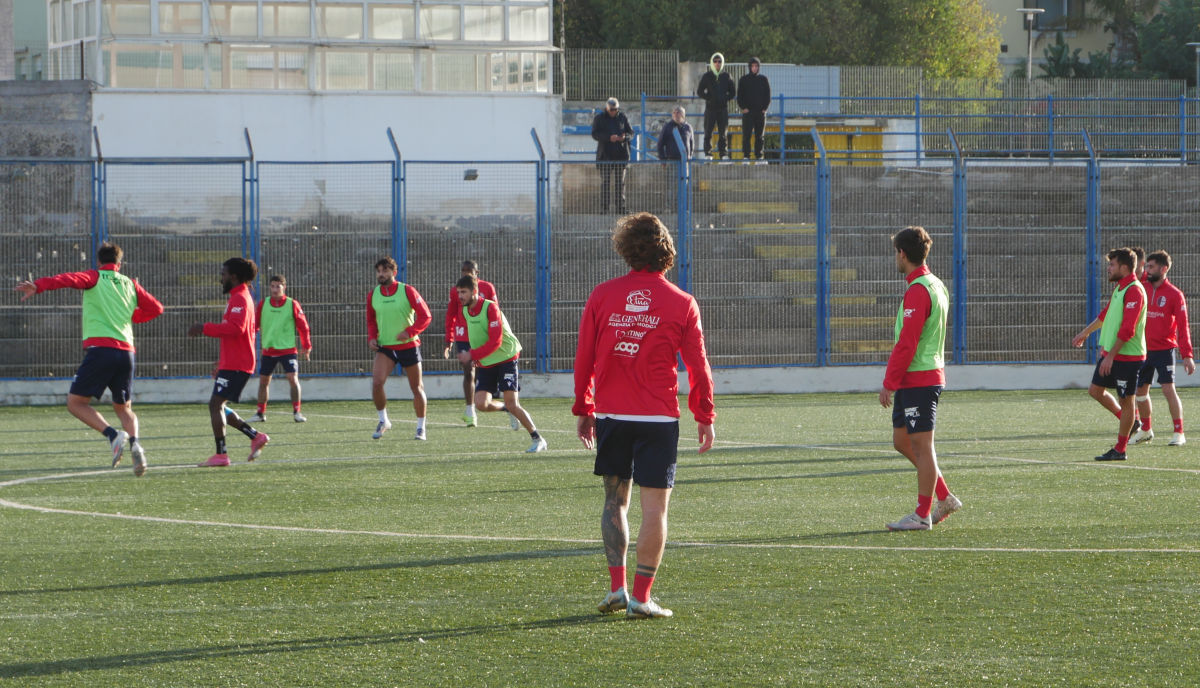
(288, 361)
(105, 368)
(1162, 362)
(462, 346)
(500, 378)
(1123, 377)
(229, 384)
(915, 408)
(643, 451)
(403, 357)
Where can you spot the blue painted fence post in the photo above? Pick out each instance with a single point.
(250, 242)
(684, 214)
(99, 219)
(1183, 147)
(399, 221)
(542, 283)
(1092, 240)
(960, 252)
(1050, 125)
(917, 127)
(823, 228)
(782, 128)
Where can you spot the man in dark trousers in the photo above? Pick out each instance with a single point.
(612, 133)
(753, 97)
(716, 89)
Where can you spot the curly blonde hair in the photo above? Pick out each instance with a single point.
(644, 242)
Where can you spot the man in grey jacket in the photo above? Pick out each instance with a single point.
(612, 134)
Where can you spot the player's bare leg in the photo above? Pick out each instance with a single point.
(129, 420)
(484, 402)
(614, 532)
(415, 383)
(81, 407)
(294, 387)
(1173, 403)
(513, 404)
(380, 369)
(652, 539)
(1106, 400)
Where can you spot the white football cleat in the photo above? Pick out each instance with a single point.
(539, 445)
(911, 522)
(1177, 440)
(139, 459)
(258, 418)
(944, 508)
(646, 610)
(614, 602)
(383, 427)
(299, 417)
(118, 446)
(1141, 436)
(420, 434)
(513, 422)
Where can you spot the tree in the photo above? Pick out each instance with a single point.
(1163, 41)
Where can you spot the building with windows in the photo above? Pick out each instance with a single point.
(311, 79)
(1068, 16)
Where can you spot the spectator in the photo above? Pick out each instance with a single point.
(667, 149)
(716, 89)
(612, 133)
(753, 97)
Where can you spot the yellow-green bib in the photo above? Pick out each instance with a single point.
(477, 332)
(931, 347)
(393, 315)
(108, 307)
(1136, 346)
(278, 325)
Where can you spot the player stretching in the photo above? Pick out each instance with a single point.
(456, 335)
(111, 304)
(396, 314)
(916, 374)
(494, 349)
(235, 360)
(626, 399)
(1122, 346)
(1166, 329)
(281, 318)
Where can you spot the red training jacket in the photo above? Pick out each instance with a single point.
(148, 307)
(917, 307)
(456, 328)
(1129, 316)
(1167, 319)
(236, 332)
(424, 316)
(302, 328)
(630, 332)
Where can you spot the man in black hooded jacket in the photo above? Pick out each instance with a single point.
(754, 98)
(716, 89)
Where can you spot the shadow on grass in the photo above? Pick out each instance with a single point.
(263, 575)
(211, 652)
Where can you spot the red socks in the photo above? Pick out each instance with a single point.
(1145, 424)
(940, 489)
(1122, 443)
(924, 503)
(616, 575)
(1178, 425)
(641, 587)
(262, 408)
(296, 407)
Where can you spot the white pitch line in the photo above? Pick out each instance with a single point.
(548, 540)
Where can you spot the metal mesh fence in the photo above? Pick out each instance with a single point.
(323, 226)
(45, 228)
(624, 74)
(754, 262)
(177, 223)
(481, 211)
(1026, 263)
(869, 205)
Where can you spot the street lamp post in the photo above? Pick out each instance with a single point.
(1029, 13)
(1196, 46)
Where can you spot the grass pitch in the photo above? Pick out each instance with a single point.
(336, 560)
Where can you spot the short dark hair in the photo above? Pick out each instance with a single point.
(388, 263)
(1124, 256)
(279, 278)
(1161, 257)
(243, 269)
(471, 265)
(644, 242)
(914, 242)
(1140, 253)
(109, 253)
(467, 282)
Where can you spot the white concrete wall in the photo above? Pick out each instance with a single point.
(323, 126)
(739, 381)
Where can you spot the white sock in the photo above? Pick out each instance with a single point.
(383, 416)
(420, 425)
(471, 410)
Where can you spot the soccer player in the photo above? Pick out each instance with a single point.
(111, 304)
(1166, 329)
(494, 349)
(627, 404)
(1122, 346)
(916, 374)
(235, 359)
(281, 319)
(456, 335)
(396, 315)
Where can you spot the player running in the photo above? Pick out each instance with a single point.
(396, 314)
(1166, 330)
(111, 304)
(281, 319)
(456, 335)
(235, 360)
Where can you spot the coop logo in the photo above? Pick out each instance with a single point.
(627, 348)
(638, 301)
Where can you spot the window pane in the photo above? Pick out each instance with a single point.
(528, 24)
(234, 19)
(394, 71)
(344, 21)
(483, 23)
(140, 67)
(439, 23)
(81, 20)
(180, 18)
(345, 71)
(290, 21)
(129, 17)
(450, 72)
(392, 23)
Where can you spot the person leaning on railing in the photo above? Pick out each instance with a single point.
(667, 148)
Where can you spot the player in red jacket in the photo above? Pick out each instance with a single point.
(626, 399)
(1166, 330)
(235, 361)
(111, 304)
(456, 335)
